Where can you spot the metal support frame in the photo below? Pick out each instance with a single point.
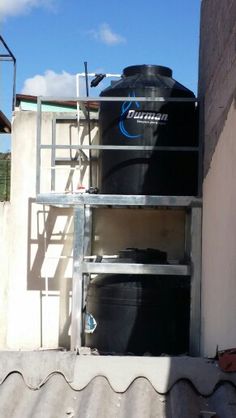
(133, 268)
(96, 200)
(192, 269)
(81, 147)
(83, 203)
(77, 286)
(195, 257)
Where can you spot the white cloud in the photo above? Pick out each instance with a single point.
(106, 35)
(51, 84)
(15, 7)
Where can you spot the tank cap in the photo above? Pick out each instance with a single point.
(148, 70)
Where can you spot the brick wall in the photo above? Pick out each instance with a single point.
(217, 68)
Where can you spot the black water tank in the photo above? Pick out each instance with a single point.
(138, 315)
(148, 123)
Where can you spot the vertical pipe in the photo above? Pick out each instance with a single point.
(78, 127)
(86, 78)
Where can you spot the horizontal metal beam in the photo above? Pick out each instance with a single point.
(42, 99)
(73, 117)
(71, 163)
(94, 74)
(6, 58)
(123, 147)
(74, 199)
(134, 268)
(138, 148)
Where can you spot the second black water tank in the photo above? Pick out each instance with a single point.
(148, 123)
(137, 315)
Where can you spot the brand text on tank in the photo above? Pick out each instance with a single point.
(133, 114)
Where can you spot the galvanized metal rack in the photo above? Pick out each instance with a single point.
(84, 205)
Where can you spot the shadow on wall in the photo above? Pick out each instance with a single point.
(50, 240)
(49, 263)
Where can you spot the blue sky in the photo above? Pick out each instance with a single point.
(51, 39)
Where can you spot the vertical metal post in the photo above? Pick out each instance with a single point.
(77, 285)
(187, 248)
(38, 145)
(14, 86)
(87, 249)
(53, 155)
(88, 120)
(201, 116)
(195, 304)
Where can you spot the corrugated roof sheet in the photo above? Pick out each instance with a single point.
(62, 384)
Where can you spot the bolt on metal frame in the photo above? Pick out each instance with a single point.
(83, 205)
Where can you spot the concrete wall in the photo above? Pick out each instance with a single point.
(4, 267)
(36, 243)
(217, 87)
(35, 293)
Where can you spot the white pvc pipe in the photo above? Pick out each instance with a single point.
(78, 76)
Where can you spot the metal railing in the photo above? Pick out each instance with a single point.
(80, 148)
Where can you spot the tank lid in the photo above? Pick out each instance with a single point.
(148, 70)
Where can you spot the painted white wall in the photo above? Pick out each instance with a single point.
(4, 267)
(35, 281)
(219, 245)
(217, 86)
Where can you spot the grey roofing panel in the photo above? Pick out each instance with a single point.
(56, 399)
(162, 372)
(63, 385)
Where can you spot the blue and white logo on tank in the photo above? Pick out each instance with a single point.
(125, 109)
(140, 116)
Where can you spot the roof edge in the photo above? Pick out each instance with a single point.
(78, 371)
